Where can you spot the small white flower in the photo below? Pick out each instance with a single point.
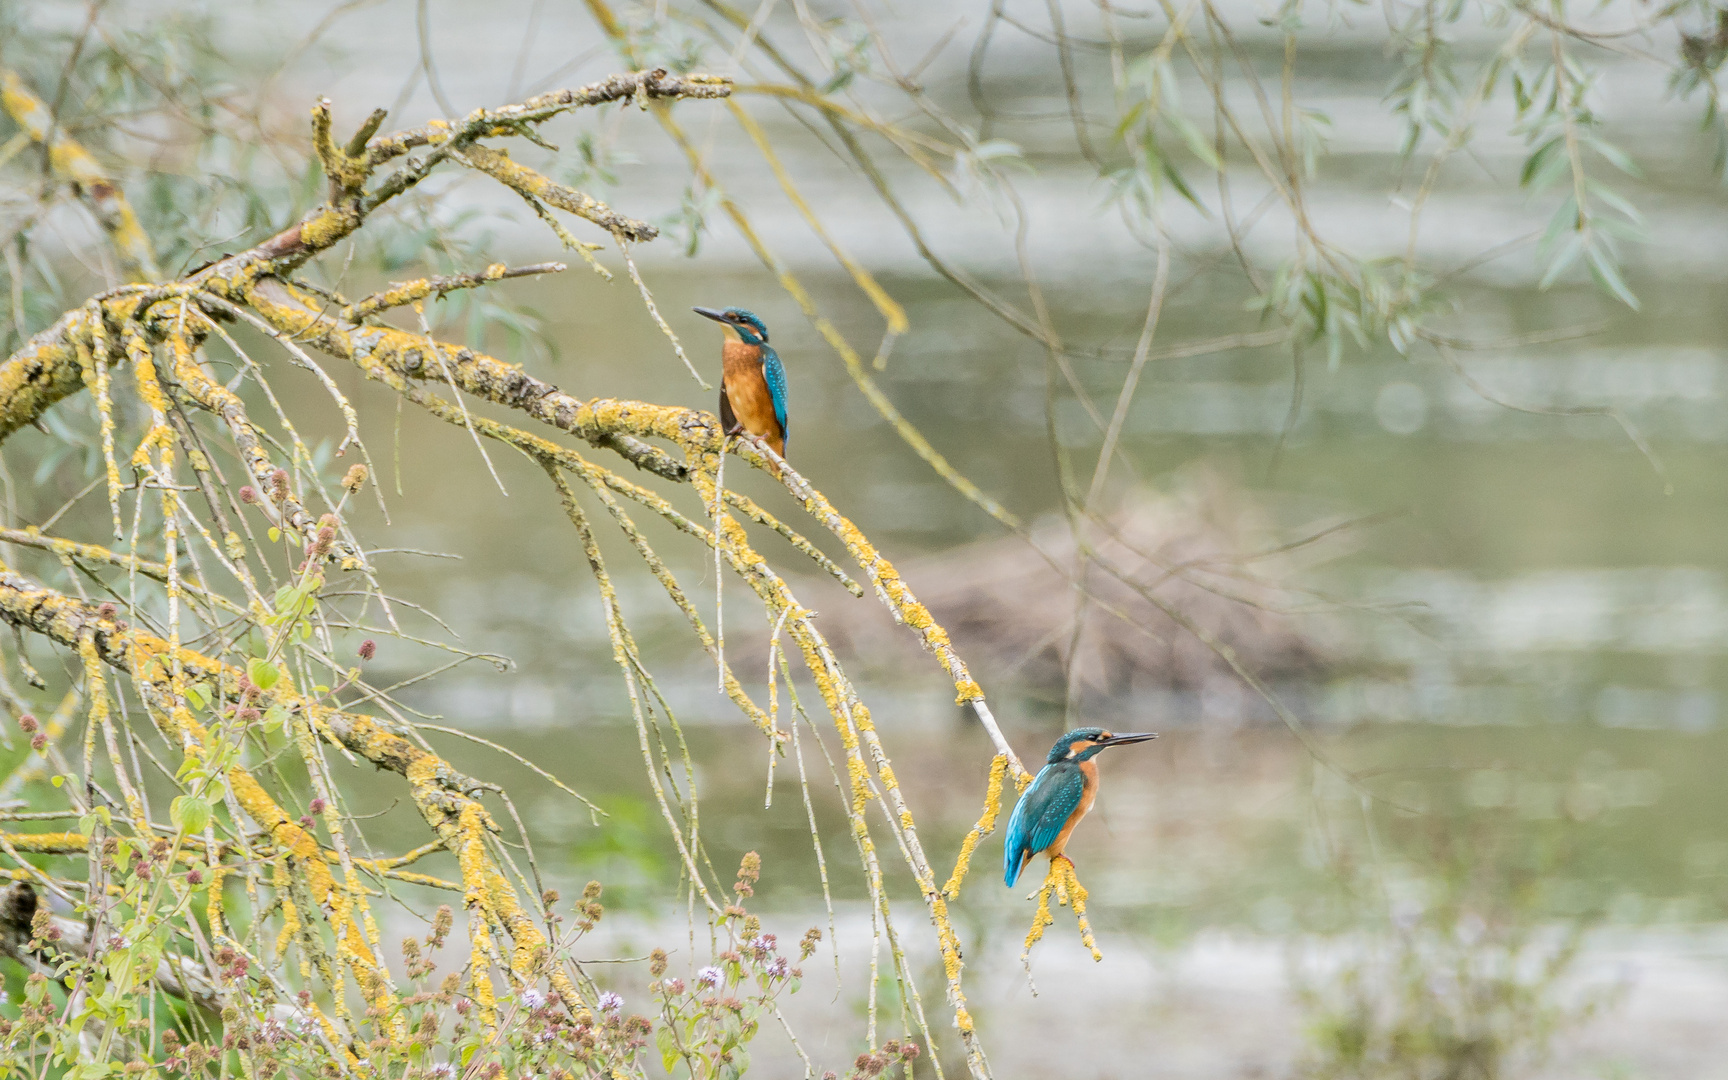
(710, 976)
(533, 998)
(611, 1002)
(443, 1070)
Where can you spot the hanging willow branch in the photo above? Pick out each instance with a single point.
(226, 642)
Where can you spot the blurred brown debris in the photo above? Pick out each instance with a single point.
(1204, 550)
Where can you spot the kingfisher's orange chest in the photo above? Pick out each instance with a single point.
(740, 359)
(747, 392)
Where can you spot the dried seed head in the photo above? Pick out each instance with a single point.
(749, 870)
(354, 479)
(657, 963)
(248, 494)
(279, 485)
(441, 923)
(28, 723)
(39, 740)
(368, 649)
(318, 806)
(107, 611)
(194, 877)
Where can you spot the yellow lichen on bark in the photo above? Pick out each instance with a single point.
(985, 826)
(458, 820)
(69, 159)
(1063, 883)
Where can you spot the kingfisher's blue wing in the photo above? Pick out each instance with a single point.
(775, 372)
(1040, 814)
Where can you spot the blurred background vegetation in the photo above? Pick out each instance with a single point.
(1335, 388)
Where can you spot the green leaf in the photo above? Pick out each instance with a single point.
(262, 673)
(1616, 157)
(275, 534)
(1607, 275)
(190, 813)
(667, 1043)
(1197, 142)
(1563, 260)
(1565, 218)
(1537, 164)
(274, 717)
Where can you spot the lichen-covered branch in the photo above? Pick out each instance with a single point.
(69, 159)
(445, 797)
(410, 291)
(532, 185)
(46, 369)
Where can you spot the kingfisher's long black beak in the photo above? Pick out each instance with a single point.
(710, 313)
(1124, 740)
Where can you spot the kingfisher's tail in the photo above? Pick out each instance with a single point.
(1013, 862)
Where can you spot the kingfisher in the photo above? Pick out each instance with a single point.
(753, 381)
(1061, 794)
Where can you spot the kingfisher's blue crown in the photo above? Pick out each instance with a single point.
(748, 326)
(1059, 752)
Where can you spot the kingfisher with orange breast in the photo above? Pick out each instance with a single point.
(753, 380)
(1061, 794)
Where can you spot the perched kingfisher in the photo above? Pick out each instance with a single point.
(752, 381)
(1061, 794)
